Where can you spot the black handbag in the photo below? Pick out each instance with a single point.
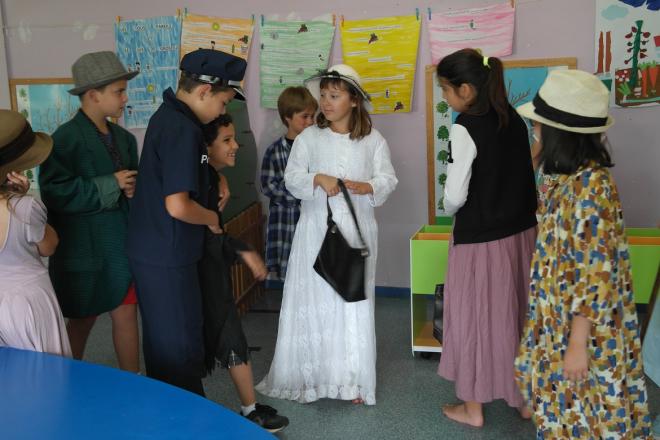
(339, 264)
(438, 310)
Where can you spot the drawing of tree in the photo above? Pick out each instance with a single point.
(443, 133)
(514, 98)
(25, 114)
(442, 179)
(441, 204)
(22, 93)
(443, 156)
(635, 47)
(442, 108)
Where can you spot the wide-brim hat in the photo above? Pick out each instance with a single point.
(20, 147)
(571, 100)
(338, 71)
(98, 69)
(216, 68)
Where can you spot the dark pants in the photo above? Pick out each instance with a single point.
(171, 310)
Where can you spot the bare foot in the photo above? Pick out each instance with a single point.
(525, 412)
(459, 413)
(357, 401)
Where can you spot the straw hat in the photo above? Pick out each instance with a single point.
(341, 71)
(571, 100)
(20, 147)
(97, 69)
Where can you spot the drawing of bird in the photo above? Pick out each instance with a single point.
(373, 38)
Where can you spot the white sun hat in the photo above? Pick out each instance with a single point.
(571, 100)
(340, 71)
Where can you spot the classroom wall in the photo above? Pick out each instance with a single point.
(44, 38)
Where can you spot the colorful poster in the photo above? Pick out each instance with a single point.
(522, 80)
(628, 50)
(489, 29)
(231, 35)
(384, 52)
(46, 104)
(292, 51)
(150, 46)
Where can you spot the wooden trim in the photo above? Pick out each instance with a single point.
(27, 81)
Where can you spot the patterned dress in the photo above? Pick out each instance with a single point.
(283, 209)
(582, 266)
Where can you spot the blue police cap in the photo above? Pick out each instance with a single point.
(215, 67)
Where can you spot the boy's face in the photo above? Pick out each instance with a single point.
(222, 152)
(112, 99)
(209, 106)
(299, 121)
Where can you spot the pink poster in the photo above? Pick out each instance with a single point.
(489, 29)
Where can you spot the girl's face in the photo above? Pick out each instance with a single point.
(299, 121)
(336, 105)
(458, 98)
(222, 152)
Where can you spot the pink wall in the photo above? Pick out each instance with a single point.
(544, 28)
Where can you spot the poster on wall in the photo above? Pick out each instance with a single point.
(488, 28)
(384, 52)
(292, 51)
(150, 46)
(231, 35)
(628, 50)
(522, 79)
(46, 104)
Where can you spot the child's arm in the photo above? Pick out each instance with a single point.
(463, 152)
(576, 357)
(183, 208)
(272, 176)
(297, 176)
(49, 243)
(384, 180)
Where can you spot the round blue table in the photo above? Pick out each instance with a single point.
(43, 396)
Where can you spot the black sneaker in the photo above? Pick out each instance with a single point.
(267, 417)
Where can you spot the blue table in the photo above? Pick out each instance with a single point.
(49, 397)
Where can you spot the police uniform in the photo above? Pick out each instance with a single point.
(163, 251)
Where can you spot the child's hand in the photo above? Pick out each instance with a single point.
(126, 178)
(255, 263)
(576, 362)
(360, 188)
(21, 182)
(224, 193)
(328, 183)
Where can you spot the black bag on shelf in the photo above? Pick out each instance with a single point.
(438, 300)
(339, 264)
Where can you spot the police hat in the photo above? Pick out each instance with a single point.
(215, 67)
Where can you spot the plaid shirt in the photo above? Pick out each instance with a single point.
(283, 210)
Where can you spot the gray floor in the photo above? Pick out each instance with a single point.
(409, 391)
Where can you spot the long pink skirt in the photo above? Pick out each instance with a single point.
(486, 291)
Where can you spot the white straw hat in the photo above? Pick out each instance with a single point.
(340, 71)
(571, 100)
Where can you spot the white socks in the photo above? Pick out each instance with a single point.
(245, 410)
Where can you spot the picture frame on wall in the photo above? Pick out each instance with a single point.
(46, 104)
(523, 78)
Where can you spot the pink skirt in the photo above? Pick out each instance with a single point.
(485, 304)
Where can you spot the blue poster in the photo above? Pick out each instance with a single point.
(150, 46)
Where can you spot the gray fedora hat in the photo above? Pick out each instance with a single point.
(97, 69)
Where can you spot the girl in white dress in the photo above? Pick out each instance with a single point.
(326, 347)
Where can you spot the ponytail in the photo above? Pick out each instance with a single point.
(485, 74)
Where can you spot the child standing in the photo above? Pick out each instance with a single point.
(579, 364)
(86, 183)
(168, 216)
(225, 341)
(326, 347)
(297, 108)
(490, 190)
(30, 317)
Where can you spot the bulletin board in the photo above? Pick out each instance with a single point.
(522, 79)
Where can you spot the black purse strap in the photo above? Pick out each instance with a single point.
(342, 186)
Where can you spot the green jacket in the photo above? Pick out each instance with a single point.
(89, 270)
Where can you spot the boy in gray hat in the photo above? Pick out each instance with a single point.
(86, 183)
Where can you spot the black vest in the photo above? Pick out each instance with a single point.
(501, 197)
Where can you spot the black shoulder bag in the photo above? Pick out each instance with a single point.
(339, 264)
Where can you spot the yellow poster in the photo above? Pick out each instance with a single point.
(231, 35)
(384, 53)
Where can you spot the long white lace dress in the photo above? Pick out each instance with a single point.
(326, 347)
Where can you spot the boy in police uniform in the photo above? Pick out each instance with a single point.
(168, 217)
